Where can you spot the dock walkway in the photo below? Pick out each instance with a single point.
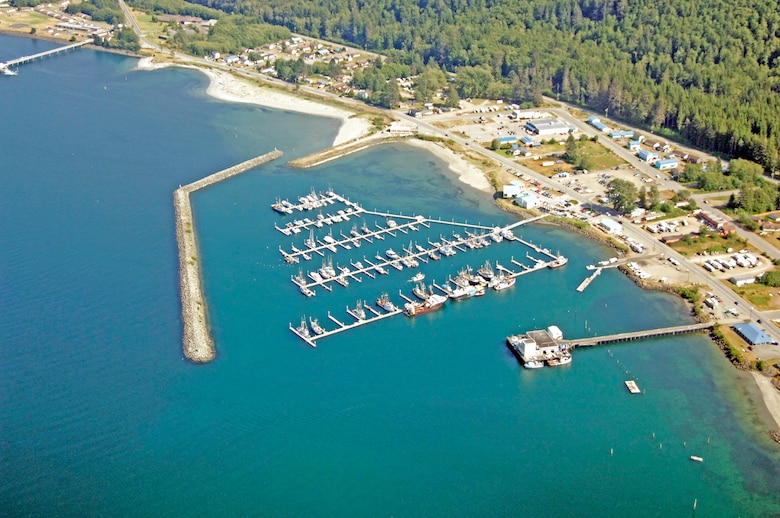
(47, 53)
(640, 335)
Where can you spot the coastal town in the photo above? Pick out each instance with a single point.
(676, 238)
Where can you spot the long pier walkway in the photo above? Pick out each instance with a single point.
(47, 53)
(640, 335)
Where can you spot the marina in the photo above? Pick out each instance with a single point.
(377, 228)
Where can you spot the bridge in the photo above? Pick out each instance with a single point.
(41, 55)
(641, 335)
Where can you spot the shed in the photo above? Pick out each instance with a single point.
(647, 156)
(633, 145)
(667, 163)
(511, 139)
(752, 334)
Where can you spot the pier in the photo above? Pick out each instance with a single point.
(584, 284)
(641, 335)
(41, 55)
(312, 339)
(197, 342)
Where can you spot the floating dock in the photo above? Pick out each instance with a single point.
(395, 225)
(584, 284)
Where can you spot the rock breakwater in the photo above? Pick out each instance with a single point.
(197, 342)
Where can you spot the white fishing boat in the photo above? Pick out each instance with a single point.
(533, 364)
(417, 277)
(358, 311)
(391, 254)
(384, 302)
(315, 326)
(307, 291)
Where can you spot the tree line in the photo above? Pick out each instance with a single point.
(702, 71)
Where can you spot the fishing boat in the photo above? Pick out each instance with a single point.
(341, 279)
(419, 248)
(397, 265)
(433, 256)
(280, 207)
(355, 232)
(447, 250)
(533, 364)
(327, 271)
(558, 262)
(507, 234)
(315, 326)
(420, 291)
(417, 277)
(303, 329)
(384, 302)
(358, 311)
(299, 279)
(391, 254)
(563, 359)
(462, 292)
(431, 303)
(496, 235)
(486, 271)
(316, 277)
(502, 282)
(311, 242)
(365, 229)
(307, 291)
(306, 256)
(381, 271)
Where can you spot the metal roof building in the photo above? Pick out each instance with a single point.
(752, 334)
(548, 127)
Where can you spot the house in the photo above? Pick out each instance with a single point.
(752, 334)
(527, 201)
(694, 159)
(510, 139)
(633, 145)
(231, 59)
(667, 163)
(529, 142)
(611, 226)
(659, 146)
(647, 156)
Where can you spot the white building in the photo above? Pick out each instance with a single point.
(611, 226)
(548, 127)
(512, 190)
(528, 201)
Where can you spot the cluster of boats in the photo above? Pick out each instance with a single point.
(311, 201)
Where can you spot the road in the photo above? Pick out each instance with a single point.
(697, 274)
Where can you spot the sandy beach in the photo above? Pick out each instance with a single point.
(228, 87)
(467, 173)
(770, 395)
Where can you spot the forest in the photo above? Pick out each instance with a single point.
(704, 72)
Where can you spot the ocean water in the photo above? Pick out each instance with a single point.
(102, 416)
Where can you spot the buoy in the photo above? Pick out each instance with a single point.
(611, 451)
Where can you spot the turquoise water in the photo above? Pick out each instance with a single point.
(431, 416)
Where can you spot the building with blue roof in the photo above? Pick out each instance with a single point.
(622, 134)
(667, 163)
(647, 156)
(511, 139)
(634, 145)
(752, 334)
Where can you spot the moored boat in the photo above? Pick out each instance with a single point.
(307, 291)
(391, 254)
(563, 359)
(384, 302)
(502, 282)
(558, 262)
(486, 271)
(303, 329)
(420, 291)
(533, 364)
(417, 277)
(358, 311)
(315, 326)
(432, 303)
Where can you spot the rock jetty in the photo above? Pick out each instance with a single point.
(197, 342)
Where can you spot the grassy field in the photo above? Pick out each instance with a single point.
(151, 29)
(714, 243)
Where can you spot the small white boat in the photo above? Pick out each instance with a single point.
(417, 277)
(533, 364)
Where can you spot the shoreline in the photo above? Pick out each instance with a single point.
(226, 86)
